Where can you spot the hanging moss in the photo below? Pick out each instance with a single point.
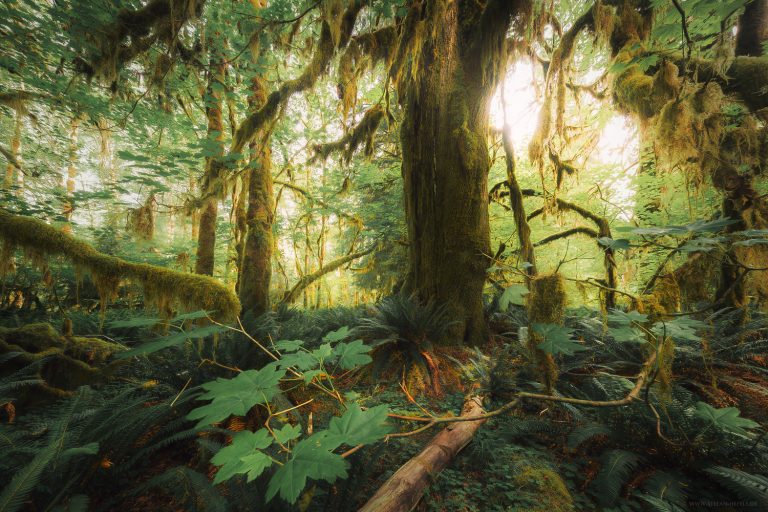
(141, 220)
(164, 286)
(363, 133)
(363, 52)
(546, 305)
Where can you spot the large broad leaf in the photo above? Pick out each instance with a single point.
(310, 458)
(301, 360)
(352, 355)
(173, 340)
(617, 244)
(357, 426)
(514, 294)
(699, 226)
(137, 321)
(621, 325)
(237, 396)
(680, 328)
(337, 335)
(557, 339)
(243, 455)
(727, 418)
(288, 345)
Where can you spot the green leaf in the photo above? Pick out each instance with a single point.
(138, 321)
(337, 335)
(300, 360)
(88, 449)
(357, 426)
(238, 395)
(287, 433)
(557, 339)
(351, 355)
(242, 455)
(514, 294)
(289, 345)
(617, 316)
(172, 340)
(727, 418)
(679, 328)
(309, 459)
(610, 243)
(323, 352)
(194, 315)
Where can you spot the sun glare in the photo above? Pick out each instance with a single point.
(617, 148)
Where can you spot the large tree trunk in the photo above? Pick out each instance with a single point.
(753, 29)
(206, 237)
(445, 156)
(256, 269)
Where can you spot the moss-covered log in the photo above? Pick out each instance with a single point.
(163, 287)
(61, 363)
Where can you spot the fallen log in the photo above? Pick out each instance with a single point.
(404, 489)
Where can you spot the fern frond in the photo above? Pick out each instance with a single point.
(584, 432)
(745, 486)
(617, 467)
(13, 497)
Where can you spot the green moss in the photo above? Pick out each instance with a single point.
(65, 362)
(546, 305)
(548, 486)
(163, 286)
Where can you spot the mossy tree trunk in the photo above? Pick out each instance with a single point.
(256, 269)
(445, 156)
(10, 170)
(206, 235)
(752, 29)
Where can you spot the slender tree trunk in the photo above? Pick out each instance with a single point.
(527, 253)
(69, 182)
(206, 238)
(752, 29)
(445, 157)
(256, 272)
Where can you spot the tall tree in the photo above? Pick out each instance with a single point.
(460, 50)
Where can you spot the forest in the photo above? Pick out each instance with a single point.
(384, 255)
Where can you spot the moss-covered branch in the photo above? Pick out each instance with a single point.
(581, 230)
(163, 287)
(334, 34)
(362, 133)
(134, 32)
(603, 230)
(293, 294)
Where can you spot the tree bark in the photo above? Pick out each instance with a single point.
(404, 489)
(445, 156)
(752, 29)
(256, 270)
(206, 237)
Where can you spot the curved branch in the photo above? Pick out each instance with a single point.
(292, 294)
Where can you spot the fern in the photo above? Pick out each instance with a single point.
(745, 486)
(192, 489)
(580, 434)
(617, 467)
(15, 495)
